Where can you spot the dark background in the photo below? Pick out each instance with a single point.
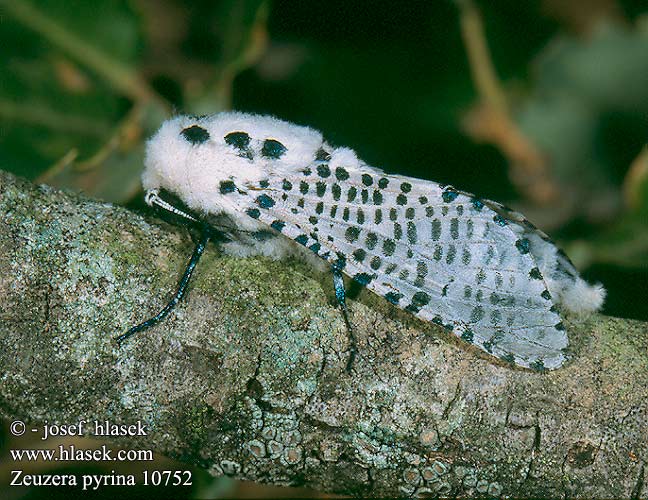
(557, 130)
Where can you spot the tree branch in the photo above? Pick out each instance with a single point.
(247, 377)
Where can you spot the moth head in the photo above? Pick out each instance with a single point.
(208, 161)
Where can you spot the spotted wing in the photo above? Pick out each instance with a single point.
(441, 254)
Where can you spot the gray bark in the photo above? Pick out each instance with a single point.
(247, 377)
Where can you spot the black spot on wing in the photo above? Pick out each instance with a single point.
(359, 254)
(449, 195)
(341, 174)
(468, 335)
(394, 297)
(278, 225)
(411, 232)
(477, 314)
(302, 239)
(398, 231)
(371, 241)
(352, 234)
(264, 201)
(323, 171)
(227, 187)
(436, 229)
(454, 228)
(419, 299)
(500, 221)
(389, 246)
(522, 245)
(452, 253)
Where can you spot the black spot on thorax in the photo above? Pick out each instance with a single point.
(195, 134)
(273, 149)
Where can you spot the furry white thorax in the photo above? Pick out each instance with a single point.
(171, 161)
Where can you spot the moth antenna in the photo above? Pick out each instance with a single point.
(152, 198)
(182, 288)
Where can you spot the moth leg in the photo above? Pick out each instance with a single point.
(340, 295)
(182, 288)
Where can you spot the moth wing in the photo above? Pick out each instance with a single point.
(448, 258)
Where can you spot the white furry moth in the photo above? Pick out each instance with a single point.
(470, 265)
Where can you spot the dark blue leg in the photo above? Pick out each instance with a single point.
(340, 295)
(182, 288)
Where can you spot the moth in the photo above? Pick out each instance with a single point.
(470, 265)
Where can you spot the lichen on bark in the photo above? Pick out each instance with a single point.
(247, 376)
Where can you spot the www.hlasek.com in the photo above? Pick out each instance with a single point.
(70, 453)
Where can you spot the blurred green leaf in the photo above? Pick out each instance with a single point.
(74, 27)
(238, 19)
(636, 185)
(112, 173)
(49, 105)
(588, 97)
(625, 245)
(67, 85)
(241, 30)
(67, 88)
